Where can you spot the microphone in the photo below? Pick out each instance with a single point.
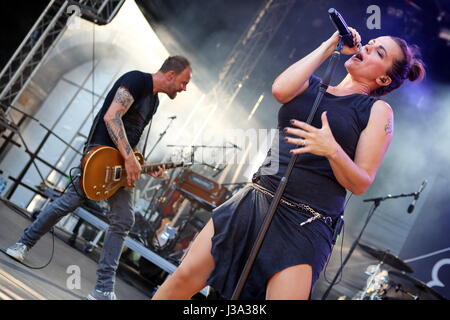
(416, 196)
(341, 26)
(173, 117)
(234, 146)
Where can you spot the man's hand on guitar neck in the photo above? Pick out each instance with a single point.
(160, 173)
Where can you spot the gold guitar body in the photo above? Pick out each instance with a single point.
(104, 172)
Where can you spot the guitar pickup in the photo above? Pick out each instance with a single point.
(108, 174)
(117, 173)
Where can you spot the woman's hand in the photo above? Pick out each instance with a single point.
(320, 142)
(334, 39)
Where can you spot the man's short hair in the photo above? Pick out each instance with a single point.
(175, 63)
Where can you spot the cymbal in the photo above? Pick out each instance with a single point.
(387, 258)
(420, 289)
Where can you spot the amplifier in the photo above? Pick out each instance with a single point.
(196, 187)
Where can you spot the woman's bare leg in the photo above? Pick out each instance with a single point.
(191, 275)
(293, 283)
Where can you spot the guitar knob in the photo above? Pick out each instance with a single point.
(97, 193)
(94, 187)
(103, 186)
(105, 193)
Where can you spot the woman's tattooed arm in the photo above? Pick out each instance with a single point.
(389, 127)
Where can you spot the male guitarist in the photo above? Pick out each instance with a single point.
(128, 108)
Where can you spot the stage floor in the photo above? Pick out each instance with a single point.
(18, 282)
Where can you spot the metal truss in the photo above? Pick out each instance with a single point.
(98, 11)
(41, 38)
(248, 50)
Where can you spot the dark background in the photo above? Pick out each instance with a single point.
(210, 29)
(17, 18)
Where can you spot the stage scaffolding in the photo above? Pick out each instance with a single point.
(26, 60)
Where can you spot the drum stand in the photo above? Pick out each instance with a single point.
(376, 203)
(371, 280)
(374, 280)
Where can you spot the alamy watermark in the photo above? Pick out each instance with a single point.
(242, 147)
(374, 20)
(74, 279)
(73, 23)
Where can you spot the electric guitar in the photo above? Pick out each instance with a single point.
(104, 171)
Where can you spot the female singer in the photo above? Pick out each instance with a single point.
(341, 149)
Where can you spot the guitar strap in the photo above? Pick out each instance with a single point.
(94, 126)
(146, 138)
(85, 148)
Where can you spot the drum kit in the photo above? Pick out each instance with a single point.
(393, 284)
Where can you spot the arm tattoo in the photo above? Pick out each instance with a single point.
(388, 127)
(115, 126)
(123, 97)
(116, 131)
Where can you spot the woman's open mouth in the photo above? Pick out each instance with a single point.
(358, 57)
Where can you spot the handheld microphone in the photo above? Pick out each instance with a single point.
(341, 26)
(416, 196)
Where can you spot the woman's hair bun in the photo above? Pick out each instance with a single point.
(416, 70)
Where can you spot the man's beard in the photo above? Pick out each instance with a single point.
(172, 95)
(172, 92)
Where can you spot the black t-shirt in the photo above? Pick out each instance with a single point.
(140, 86)
(312, 180)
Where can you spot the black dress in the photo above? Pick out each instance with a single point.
(312, 182)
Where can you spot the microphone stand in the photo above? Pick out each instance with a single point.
(161, 135)
(283, 183)
(376, 204)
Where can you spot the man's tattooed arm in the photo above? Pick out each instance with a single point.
(113, 120)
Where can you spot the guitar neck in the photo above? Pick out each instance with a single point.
(147, 168)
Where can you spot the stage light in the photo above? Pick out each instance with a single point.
(261, 97)
(444, 33)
